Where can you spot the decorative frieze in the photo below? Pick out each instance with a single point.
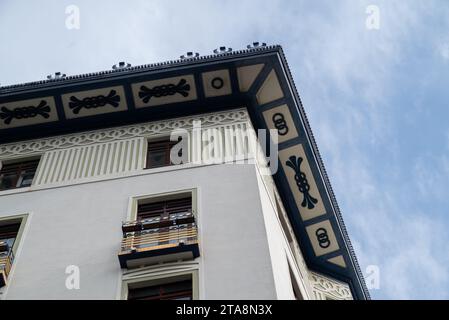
(42, 109)
(302, 182)
(325, 288)
(322, 237)
(164, 91)
(94, 102)
(212, 138)
(280, 119)
(37, 147)
(216, 83)
(27, 112)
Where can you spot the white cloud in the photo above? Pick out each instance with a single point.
(443, 49)
(346, 80)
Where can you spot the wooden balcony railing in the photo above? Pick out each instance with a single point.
(154, 239)
(6, 259)
(168, 241)
(3, 247)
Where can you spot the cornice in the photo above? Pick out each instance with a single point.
(39, 146)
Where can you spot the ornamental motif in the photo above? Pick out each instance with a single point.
(42, 109)
(171, 89)
(32, 147)
(112, 99)
(217, 83)
(326, 288)
(302, 183)
(323, 238)
(280, 124)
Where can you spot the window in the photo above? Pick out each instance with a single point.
(173, 289)
(163, 210)
(10, 233)
(162, 229)
(18, 174)
(172, 281)
(158, 154)
(167, 222)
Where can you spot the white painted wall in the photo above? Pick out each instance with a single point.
(282, 257)
(81, 225)
(80, 197)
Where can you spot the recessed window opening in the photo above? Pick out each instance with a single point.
(18, 174)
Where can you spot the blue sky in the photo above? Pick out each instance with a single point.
(377, 100)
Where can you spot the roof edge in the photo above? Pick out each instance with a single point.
(325, 175)
(137, 69)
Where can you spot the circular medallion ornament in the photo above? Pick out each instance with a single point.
(217, 83)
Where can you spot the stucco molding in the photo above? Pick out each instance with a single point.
(157, 272)
(326, 288)
(37, 147)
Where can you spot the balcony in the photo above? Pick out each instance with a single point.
(6, 259)
(158, 239)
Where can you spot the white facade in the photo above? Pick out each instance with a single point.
(85, 187)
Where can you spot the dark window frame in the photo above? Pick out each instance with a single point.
(163, 291)
(18, 171)
(167, 216)
(164, 208)
(159, 146)
(8, 232)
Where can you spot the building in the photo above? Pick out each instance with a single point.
(92, 205)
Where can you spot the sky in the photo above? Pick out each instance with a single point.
(377, 99)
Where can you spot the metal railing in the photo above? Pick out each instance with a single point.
(160, 238)
(149, 223)
(170, 217)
